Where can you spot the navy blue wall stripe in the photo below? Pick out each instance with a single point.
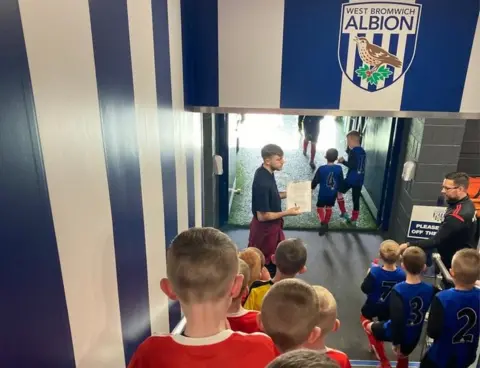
(200, 52)
(436, 78)
(167, 145)
(311, 76)
(34, 324)
(115, 90)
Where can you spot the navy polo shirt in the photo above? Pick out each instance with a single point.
(265, 196)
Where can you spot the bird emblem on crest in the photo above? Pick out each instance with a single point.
(376, 61)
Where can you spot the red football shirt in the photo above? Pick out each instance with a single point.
(244, 321)
(340, 357)
(226, 349)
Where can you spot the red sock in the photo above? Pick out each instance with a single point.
(402, 362)
(313, 151)
(376, 345)
(341, 204)
(305, 145)
(321, 214)
(328, 214)
(355, 215)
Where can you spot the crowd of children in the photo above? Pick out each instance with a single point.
(236, 316)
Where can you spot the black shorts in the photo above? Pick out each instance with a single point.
(346, 187)
(326, 201)
(311, 136)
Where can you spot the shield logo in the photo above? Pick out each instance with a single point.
(377, 41)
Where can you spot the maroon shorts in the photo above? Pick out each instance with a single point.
(266, 236)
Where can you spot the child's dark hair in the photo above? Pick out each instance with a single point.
(331, 155)
(414, 259)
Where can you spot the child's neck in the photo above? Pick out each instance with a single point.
(280, 276)
(206, 319)
(330, 163)
(413, 279)
(389, 267)
(318, 345)
(461, 287)
(235, 307)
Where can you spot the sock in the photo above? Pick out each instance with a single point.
(355, 215)
(305, 145)
(377, 346)
(341, 204)
(313, 151)
(328, 214)
(321, 214)
(402, 362)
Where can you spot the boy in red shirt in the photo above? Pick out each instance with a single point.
(202, 271)
(297, 315)
(239, 318)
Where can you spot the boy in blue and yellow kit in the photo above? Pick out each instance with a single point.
(330, 179)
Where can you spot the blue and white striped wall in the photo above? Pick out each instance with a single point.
(288, 54)
(100, 167)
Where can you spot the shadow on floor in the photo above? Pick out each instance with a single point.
(258, 130)
(339, 262)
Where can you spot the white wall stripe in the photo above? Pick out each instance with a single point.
(179, 116)
(65, 93)
(197, 157)
(143, 68)
(250, 40)
(471, 91)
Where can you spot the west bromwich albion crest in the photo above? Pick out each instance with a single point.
(377, 41)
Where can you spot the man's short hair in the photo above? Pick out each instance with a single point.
(389, 251)
(354, 134)
(290, 256)
(331, 155)
(460, 179)
(327, 309)
(271, 150)
(303, 358)
(466, 266)
(201, 265)
(290, 313)
(414, 259)
(252, 259)
(261, 255)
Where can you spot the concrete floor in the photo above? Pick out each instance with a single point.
(339, 261)
(258, 130)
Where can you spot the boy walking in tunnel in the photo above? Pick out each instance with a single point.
(356, 161)
(330, 179)
(311, 128)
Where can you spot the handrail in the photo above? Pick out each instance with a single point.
(180, 327)
(441, 267)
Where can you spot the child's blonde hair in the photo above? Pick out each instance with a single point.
(201, 265)
(243, 269)
(252, 259)
(390, 251)
(466, 266)
(303, 358)
(327, 309)
(290, 313)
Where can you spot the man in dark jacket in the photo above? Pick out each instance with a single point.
(457, 231)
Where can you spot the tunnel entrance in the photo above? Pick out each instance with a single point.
(244, 135)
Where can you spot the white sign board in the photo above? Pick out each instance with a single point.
(425, 221)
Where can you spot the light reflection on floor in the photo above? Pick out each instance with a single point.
(260, 129)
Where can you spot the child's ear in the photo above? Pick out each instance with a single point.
(237, 286)
(336, 325)
(272, 259)
(303, 270)
(167, 289)
(403, 266)
(245, 292)
(451, 272)
(314, 335)
(259, 322)
(424, 267)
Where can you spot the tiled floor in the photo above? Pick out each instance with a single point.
(258, 130)
(338, 261)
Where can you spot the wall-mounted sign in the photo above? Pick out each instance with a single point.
(425, 221)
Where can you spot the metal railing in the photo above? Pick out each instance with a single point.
(180, 327)
(443, 273)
